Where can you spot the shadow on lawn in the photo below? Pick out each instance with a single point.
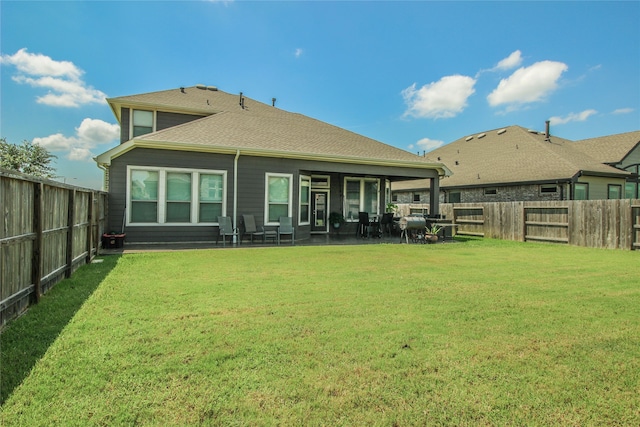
(26, 339)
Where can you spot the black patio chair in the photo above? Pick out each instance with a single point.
(363, 225)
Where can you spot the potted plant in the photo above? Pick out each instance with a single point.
(431, 233)
(336, 219)
(391, 207)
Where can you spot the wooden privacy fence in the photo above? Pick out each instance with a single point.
(612, 224)
(49, 229)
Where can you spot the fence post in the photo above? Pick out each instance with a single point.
(89, 227)
(36, 255)
(70, 221)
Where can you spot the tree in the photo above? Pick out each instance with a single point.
(29, 158)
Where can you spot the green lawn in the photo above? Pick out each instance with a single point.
(483, 332)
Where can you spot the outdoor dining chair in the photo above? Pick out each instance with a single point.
(363, 225)
(249, 227)
(225, 228)
(286, 228)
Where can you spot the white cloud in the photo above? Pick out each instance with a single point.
(298, 53)
(572, 117)
(442, 99)
(623, 111)
(61, 78)
(511, 61)
(528, 84)
(428, 144)
(89, 134)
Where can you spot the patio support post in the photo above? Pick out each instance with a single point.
(434, 196)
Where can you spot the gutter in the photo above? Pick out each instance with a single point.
(106, 157)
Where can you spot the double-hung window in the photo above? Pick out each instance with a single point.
(211, 197)
(361, 195)
(143, 194)
(178, 197)
(278, 195)
(162, 196)
(142, 122)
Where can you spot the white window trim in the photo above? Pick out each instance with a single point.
(162, 196)
(267, 175)
(153, 124)
(362, 201)
(308, 220)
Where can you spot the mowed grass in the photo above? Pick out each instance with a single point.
(477, 333)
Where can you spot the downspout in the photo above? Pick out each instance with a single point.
(235, 192)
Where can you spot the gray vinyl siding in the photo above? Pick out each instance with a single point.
(251, 188)
(163, 158)
(167, 120)
(125, 121)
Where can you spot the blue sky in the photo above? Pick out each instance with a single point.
(412, 74)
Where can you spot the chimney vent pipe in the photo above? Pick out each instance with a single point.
(546, 129)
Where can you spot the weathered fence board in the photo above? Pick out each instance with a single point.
(49, 229)
(612, 224)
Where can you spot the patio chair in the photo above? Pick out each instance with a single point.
(249, 227)
(374, 229)
(286, 228)
(363, 225)
(225, 228)
(386, 223)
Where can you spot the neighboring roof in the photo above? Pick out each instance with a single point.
(610, 149)
(256, 129)
(508, 156)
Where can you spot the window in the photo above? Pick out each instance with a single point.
(416, 197)
(630, 190)
(547, 189)
(144, 196)
(490, 191)
(320, 181)
(305, 199)
(175, 196)
(278, 197)
(454, 197)
(361, 195)
(178, 197)
(580, 191)
(142, 122)
(210, 203)
(614, 191)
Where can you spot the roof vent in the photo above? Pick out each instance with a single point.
(532, 131)
(501, 131)
(469, 138)
(181, 89)
(201, 86)
(212, 88)
(482, 135)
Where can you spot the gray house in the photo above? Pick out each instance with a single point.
(189, 155)
(518, 164)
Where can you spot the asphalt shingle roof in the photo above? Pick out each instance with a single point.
(257, 126)
(510, 155)
(609, 149)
